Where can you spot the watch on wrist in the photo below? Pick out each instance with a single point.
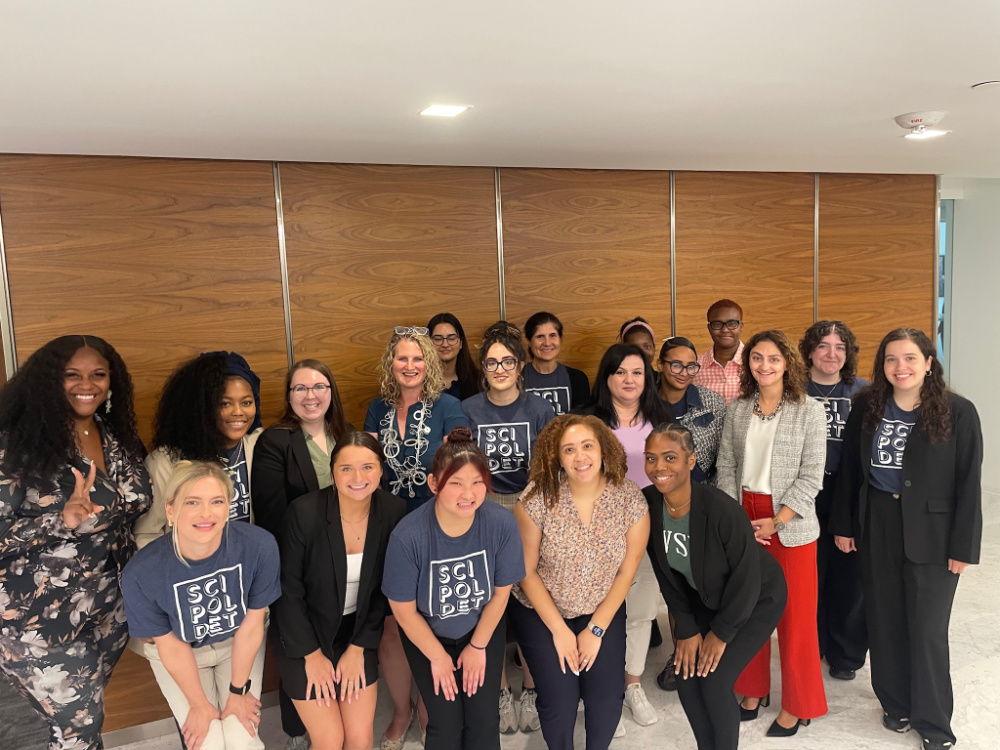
(595, 629)
(778, 523)
(239, 690)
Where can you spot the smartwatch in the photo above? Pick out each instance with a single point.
(239, 690)
(595, 629)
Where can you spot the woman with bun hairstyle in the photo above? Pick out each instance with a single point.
(562, 386)
(72, 483)
(584, 526)
(457, 366)
(909, 500)
(209, 410)
(292, 458)
(771, 458)
(331, 612)
(448, 574)
(196, 600)
(725, 592)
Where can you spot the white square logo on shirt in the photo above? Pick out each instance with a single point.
(459, 585)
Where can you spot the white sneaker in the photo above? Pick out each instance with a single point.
(508, 716)
(297, 743)
(643, 712)
(529, 721)
(620, 729)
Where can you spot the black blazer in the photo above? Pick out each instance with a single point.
(282, 471)
(732, 570)
(941, 484)
(314, 573)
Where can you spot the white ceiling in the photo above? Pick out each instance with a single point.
(798, 85)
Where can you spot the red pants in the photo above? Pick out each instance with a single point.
(802, 692)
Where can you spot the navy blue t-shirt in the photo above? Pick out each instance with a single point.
(205, 601)
(507, 434)
(888, 446)
(452, 578)
(554, 387)
(235, 464)
(836, 401)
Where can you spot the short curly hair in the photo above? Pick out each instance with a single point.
(545, 465)
(434, 384)
(795, 372)
(815, 334)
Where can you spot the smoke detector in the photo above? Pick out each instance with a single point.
(920, 124)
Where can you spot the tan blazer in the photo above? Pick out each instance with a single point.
(160, 466)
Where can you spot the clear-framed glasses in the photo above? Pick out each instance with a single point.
(718, 325)
(677, 367)
(507, 363)
(410, 330)
(451, 338)
(318, 390)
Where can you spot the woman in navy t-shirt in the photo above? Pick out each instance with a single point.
(448, 574)
(197, 599)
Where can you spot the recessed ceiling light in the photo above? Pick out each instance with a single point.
(445, 110)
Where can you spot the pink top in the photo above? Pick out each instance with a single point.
(578, 563)
(723, 380)
(633, 440)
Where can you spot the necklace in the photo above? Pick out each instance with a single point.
(352, 523)
(409, 472)
(672, 509)
(766, 417)
(825, 396)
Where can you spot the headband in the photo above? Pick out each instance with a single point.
(633, 324)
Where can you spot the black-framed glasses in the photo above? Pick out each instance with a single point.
(718, 325)
(507, 363)
(318, 390)
(451, 338)
(410, 330)
(677, 367)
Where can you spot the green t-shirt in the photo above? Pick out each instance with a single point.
(320, 460)
(675, 542)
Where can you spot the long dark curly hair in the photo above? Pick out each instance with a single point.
(469, 383)
(815, 334)
(37, 418)
(651, 406)
(795, 372)
(935, 412)
(186, 421)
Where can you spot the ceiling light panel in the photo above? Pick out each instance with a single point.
(445, 110)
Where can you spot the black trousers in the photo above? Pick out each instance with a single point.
(602, 688)
(909, 608)
(712, 712)
(840, 614)
(466, 723)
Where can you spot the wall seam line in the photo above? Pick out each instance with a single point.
(815, 247)
(6, 311)
(673, 257)
(500, 271)
(286, 304)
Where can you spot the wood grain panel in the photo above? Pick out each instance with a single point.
(876, 255)
(745, 236)
(592, 247)
(373, 247)
(164, 259)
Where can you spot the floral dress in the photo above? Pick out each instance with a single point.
(62, 622)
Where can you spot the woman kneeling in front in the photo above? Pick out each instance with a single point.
(198, 598)
(448, 573)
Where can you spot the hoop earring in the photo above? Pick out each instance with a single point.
(107, 403)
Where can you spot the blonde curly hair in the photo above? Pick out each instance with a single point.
(545, 465)
(434, 383)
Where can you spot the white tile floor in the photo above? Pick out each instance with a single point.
(854, 720)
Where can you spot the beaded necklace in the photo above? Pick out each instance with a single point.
(409, 473)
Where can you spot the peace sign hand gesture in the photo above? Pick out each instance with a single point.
(79, 508)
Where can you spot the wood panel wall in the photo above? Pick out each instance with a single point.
(162, 258)
(166, 258)
(876, 255)
(593, 247)
(374, 247)
(748, 237)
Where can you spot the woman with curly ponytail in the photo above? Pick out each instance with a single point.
(72, 483)
(909, 501)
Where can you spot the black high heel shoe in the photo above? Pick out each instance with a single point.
(749, 714)
(776, 730)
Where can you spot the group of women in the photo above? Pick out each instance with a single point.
(393, 550)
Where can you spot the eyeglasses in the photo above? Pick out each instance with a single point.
(677, 367)
(507, 363)
(718, 325)
(449, 339)
(410, 330)
(318, 390)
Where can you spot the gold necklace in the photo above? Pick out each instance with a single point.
(352, 523)
(672, 509)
